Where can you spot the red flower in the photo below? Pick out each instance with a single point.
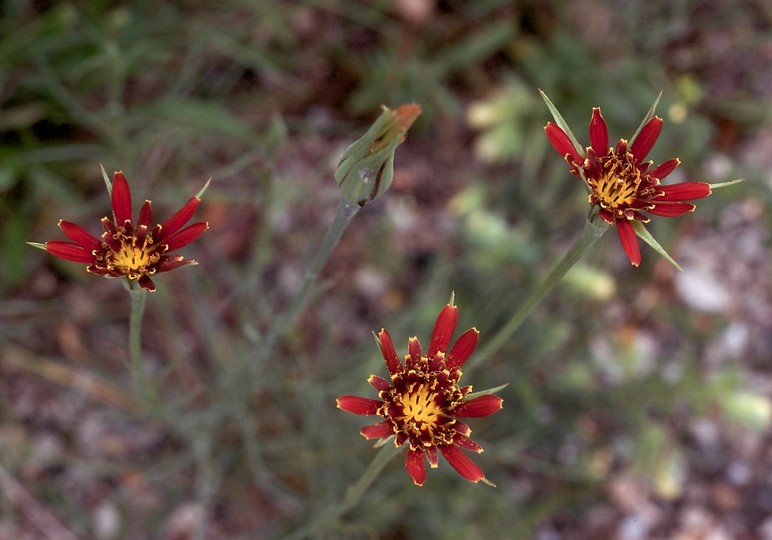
(621, 184)
(423, 402)
(126, 250)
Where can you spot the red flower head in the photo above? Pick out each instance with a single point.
(423, 402)
(126, 250)
(621, 184)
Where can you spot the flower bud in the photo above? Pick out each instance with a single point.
(366, 168)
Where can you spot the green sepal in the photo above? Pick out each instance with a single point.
(562, 124)
(203, 189)
(726, 184)
(37, 245)
(366, 168)
(107, 180)
(646, 236)
(489, 391)
(381, 442)
(649, 116)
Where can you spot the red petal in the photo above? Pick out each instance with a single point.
(606, 216)
(661, 171)
(462, 349)
(685, 191)
(185, 236)
(378, 383)
(592, 166)
(598, 133)
(461, 462)
(443, 330)
(561, 142)
(121, 199)
(380, 430)
(416, 468)
(79, 235)
(145, 215)
(171, 263)
(431, 455)
(359, 405)
(466, 443)
(671, 209)
(462, 428)
(108, 225)
(629, 241)
(146, 283)
(389, 354)
(183, 215)
(69, 252)
(414, 349)
(480, 406)
(645, 140)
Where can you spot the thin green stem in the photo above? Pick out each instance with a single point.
(345, 213)
(138, 296)
(343, 216)
(593, 229)
(352, 496)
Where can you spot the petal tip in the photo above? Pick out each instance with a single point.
(487, 482)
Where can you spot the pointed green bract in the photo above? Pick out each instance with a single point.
(646, 236)
(562, 124)
(37, 245)
(489, 391)
(381, 442)
(203, 189)
(366, 168)
(649, 116)
(726, 184)
(108, 183)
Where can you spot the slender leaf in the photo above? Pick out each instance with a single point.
(561, 122)
(649, 116)
(726, 184)
(474, 395)
(108, 183)
(646, 236)
(203, 189)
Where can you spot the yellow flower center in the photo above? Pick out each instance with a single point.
(615, 192)
(134, 258)
(420, 408)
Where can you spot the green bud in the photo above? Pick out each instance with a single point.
(366, 168)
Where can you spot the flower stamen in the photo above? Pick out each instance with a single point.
(615, 192)
(420, 409)
(135, 257)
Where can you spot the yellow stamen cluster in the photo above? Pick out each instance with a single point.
(618, 188)
(420, 410)
(135, 258)
(420, 404)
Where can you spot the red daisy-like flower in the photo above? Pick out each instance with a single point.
(423, 402)
(621, 184)
(135, 252)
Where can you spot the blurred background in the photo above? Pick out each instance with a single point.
(638, 403)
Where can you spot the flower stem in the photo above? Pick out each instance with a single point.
(345, 213)
(352, 496)
(343, 216)
(593, 229)
(138, 296)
